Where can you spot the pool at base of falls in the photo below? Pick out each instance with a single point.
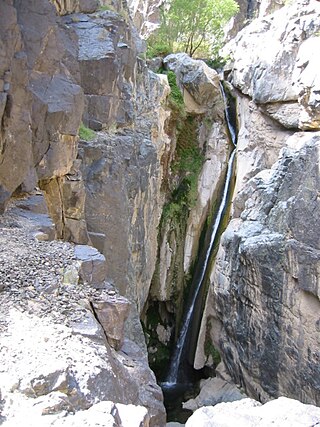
(174, 395)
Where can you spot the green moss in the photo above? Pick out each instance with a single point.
(210, 350)
(187, 166)
(86, 133)
(175, 97)
(105, 8)
(156, 48)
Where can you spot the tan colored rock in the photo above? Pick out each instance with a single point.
(65, 7)
(92, 264)
(259, 141)
(209, 186)
(112, 312)
(199, 84)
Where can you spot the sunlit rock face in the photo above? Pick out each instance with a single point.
(145, 15)
(249, 413)
(274, 64)
(248, 11)
(263, 304)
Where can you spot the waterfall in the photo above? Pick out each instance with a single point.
(173, 376)
(231, 127)
(176, 359)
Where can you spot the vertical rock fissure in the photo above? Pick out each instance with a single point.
(175, 374)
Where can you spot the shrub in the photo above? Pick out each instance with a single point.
(86, 133)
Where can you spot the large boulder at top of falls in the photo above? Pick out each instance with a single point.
(199, 84)
(249, 413)
(264, 300)
(274, 62)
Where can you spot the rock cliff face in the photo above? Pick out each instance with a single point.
(52, 79)
(41, 109)
(263, 305)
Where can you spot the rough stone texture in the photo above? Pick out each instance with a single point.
(107, 61)
(41, 105)
(281, 412)
(212, 392)
(123, 171)
(263, 304)
(65, 7)
(199, 84)
(112, 312)
(55, 359)
(259, 140)
(145, 15)
(93, 266)
(273, 62)
(15, 105)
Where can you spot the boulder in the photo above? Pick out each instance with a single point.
(93, 266)
(212, 392)
(112, 312)
(281, 412)
(199, 84)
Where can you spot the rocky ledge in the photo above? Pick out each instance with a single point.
(63, 353)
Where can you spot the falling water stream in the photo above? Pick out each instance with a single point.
(174, 377)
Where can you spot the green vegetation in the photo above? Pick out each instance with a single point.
(187, 166)
(188, 159)
(175, 97)
(104, 8)
(86, 133)
(210, 350)
(193, 26)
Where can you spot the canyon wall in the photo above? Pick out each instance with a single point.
(64, 63)
(262, 310)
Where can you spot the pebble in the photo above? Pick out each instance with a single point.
(31, 274)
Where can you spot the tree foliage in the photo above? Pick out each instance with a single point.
(193, 26)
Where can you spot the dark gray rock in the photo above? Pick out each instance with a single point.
(107, 56)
